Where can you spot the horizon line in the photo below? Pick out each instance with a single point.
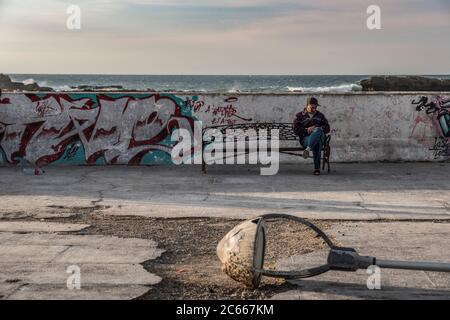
(217, 74)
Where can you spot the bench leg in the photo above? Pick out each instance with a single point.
(326, 158)
(323, 160)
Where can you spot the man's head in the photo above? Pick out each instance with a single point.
(311, 105)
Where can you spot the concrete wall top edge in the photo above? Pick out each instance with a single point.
(358, 93)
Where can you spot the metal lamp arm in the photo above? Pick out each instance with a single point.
(347, 259)
(414, 265)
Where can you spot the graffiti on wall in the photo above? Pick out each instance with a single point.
(221, 114)
(439, 109)
(88, 128)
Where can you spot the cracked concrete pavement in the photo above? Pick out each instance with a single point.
(420, 241)
(35, 254)
(352, 191)
(35, 259)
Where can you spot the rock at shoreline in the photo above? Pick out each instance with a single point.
(406, 83)
(7, 84)
(86, 87)
(115, 88)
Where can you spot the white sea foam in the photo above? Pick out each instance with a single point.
(28, 81)
(63, 88)
(341, 88)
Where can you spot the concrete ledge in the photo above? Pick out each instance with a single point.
(402, 191)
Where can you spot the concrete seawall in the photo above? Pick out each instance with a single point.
(135, 128)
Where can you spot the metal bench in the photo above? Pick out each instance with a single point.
(286, 133)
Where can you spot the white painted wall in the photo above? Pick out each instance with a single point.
(365, 126)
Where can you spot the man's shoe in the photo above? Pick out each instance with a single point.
(306, 153)
(316, 172)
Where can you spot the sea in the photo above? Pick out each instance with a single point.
(203, 83)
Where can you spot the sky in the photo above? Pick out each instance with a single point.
(225, 37)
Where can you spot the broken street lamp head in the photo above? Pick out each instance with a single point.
(242, 252)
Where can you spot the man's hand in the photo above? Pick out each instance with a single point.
(310, 129)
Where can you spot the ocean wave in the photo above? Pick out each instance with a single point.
(223, 84)
(63, 88)
(28, 81)
(341, 88)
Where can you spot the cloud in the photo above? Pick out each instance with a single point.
(258, 36)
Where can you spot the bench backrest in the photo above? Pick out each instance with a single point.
(245, 130)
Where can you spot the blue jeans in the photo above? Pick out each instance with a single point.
(315, 142)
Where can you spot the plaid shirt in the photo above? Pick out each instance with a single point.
(303, 121)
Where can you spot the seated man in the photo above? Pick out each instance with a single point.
(311, 126)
